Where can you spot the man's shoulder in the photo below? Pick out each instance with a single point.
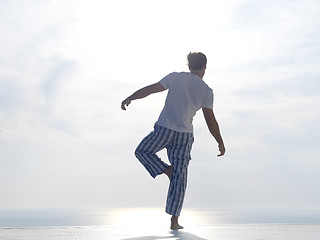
(176, 76)
(179, 74)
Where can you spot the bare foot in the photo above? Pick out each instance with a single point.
(174, 223)
(168, 171)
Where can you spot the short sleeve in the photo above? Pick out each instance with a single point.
(165, 82)
(208, 100)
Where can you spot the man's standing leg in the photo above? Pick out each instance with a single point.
(179, 156)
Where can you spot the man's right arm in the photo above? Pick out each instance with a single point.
(214, 128)
(142, 93)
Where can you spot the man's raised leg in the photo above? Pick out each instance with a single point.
(168, 171)
(146, 152)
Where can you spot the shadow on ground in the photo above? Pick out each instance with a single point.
(177, 235)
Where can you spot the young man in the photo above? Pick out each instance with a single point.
(187, 94)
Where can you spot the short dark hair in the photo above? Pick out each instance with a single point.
(196, 60)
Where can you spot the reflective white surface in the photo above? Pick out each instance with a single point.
(217, 232)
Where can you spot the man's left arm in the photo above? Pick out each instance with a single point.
(142, 93)
(213, 127)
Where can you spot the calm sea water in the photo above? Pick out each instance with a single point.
(129, 216)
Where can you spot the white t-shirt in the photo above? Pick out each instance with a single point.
(187, 94)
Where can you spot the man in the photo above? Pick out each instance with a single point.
(187, 94)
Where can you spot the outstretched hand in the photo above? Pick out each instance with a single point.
(221, 149)
(125, 103)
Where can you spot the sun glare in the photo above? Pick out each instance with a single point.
(140, 218)
(153, 218)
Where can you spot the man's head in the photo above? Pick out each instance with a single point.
(197, 63)
(196, 60)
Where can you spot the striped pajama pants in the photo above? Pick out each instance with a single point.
(178, 145)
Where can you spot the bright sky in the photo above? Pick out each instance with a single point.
(66, 65)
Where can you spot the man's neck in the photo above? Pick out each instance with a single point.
(199, 73)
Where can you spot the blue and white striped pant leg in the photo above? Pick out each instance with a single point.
(179, 154)
(146, 151)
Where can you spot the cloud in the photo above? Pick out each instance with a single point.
(66, 66)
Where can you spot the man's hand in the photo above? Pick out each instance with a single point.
(221, 149)
(125, 103)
